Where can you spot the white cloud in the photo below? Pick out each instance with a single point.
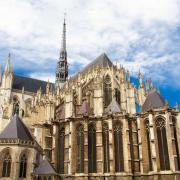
(135, 32)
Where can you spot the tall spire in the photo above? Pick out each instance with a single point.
(63, 45)
(62, 66)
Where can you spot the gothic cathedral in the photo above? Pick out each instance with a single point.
(94, 125)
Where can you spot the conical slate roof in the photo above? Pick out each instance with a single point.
(113, 107)
(44, 168)
(153, 100)
(16, 129)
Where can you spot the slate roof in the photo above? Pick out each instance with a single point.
(102, 61)
(16, 129)
(153, 100)
(113, 107)
(84, 109)
(44, 168)
(29, 84)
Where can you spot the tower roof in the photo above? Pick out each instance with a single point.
(153, 100)
(44, 168)
(113, 107)
(16, 129)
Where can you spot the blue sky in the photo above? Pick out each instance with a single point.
(141, 35)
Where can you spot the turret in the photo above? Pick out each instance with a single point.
(62, 66)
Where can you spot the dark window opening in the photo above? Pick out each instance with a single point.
(80, 149)
(118, 147)
(106, 147)
(6, 170)
(162, 144)
(23, 166)
(91, 149)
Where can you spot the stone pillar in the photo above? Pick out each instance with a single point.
(85, 147)
(111, 147)
(68, 104)
(98, 102)
(169, 141)
(99, 148)
(126, 146)
(152, 129)
(55, 145)
(140, 143)
(72, 147)
(123, 96)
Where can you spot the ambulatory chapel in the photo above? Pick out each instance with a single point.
(94, 125)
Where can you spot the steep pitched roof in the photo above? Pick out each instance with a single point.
(44, 168)
(153, 100)
(113, 107)
(84, 109)
(101, 60)
(29, 84)
(16, 129)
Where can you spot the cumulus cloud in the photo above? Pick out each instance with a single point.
(138, 34)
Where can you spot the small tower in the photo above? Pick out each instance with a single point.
(62, 66)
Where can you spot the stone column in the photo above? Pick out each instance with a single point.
(169, 141)
(99, 148)
(85, 147)
(55, 145)
(140, 143)
(152, 130)
(111, 147)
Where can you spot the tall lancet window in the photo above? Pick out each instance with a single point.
(148, 139)
(61, 150)
(162, 144)
(175, 144)
(15, 105)
(6, 170)
(118, 147)
(107, 90)
(118, 96)
(106, 146)
(23, 166)
(80, 149)
(91, 148)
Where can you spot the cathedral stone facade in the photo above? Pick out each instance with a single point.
(94, 125)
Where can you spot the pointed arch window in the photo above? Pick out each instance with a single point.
(118, 96)
(6, 170)
(15, 105)
(80, 149)
(106, 147)
(23, 166)
(91, 148)
(118, 147)
(175, 144)
(148, 139)
(61, 150)
(107, 90)
(162, 144)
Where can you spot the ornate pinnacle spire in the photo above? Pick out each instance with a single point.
(62, 67)
(8, 64)
(140, 79)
